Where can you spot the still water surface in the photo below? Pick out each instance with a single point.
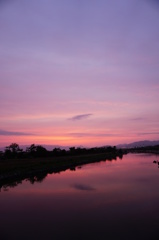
(116, 199)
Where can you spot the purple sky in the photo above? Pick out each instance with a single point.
(75, 72)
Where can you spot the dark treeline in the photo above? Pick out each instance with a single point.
(13, 151)
(37, 151)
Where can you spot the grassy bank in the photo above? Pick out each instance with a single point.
(37, 168)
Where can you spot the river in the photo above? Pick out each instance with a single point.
(116, 199)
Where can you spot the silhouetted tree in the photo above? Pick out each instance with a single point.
(31, 150)
(41, 151)
(72, 150)
(14, 147)
(56, 151)
(36, 151)
(12, 150)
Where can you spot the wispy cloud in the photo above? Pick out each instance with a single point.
(80, 117)
(83, 187)
(148, 133)
(92, 134)
(137, 119)
(10, 133)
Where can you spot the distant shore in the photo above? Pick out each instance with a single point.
(142, 150)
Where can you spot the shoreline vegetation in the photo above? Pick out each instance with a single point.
(36, 162)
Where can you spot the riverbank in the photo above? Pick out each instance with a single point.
(36, 169)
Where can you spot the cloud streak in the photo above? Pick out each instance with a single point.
(92, 134)
(148, 133)
(10, 133)
(80, 117)
(138, 119)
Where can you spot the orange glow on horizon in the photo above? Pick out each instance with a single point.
(64, 140)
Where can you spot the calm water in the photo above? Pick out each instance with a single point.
(116, 199)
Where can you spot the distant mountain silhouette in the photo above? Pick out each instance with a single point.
(144, 143)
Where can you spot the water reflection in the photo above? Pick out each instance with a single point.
(14, 183)
(156, 162)
(105, 200)
(83, 187)
(38, 177)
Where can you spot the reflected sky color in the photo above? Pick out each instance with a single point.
(111, 199)
(60, 60)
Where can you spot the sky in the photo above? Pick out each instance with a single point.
(79, 72)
